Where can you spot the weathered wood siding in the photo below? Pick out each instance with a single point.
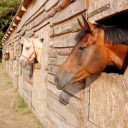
(102, 103)
(98, 9)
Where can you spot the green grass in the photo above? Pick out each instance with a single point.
(39, 125)
(22, 104)
(22, 107)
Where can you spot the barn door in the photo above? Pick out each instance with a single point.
(107, 101)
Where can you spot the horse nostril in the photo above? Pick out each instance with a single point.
(56, 80)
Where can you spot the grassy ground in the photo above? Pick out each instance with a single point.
(13, 108)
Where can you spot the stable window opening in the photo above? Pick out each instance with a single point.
(120, 20)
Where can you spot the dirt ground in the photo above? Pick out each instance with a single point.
(14, 112)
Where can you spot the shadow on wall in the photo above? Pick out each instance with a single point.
(73, 90)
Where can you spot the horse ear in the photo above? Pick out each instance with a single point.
(90, 25)
(22, 40)
(86, 24)
(80, 23)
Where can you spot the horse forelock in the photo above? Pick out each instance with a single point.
(81, 34)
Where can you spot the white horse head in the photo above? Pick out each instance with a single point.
(31, 49)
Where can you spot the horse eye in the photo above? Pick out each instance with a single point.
(82, 47)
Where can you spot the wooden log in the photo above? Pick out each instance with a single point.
(67, 40)
(74, 89)
(52, 53)
(71, 119)
(75, 8)
(64, 51)
(66, 27)
(51, 78)
(50, 4)
(108, 101)
(125, 78)
(44, 16)
(41, 10)
(33, 8)
(57, 61)
(26, 90)
(37, 66)
(65, 98)
(52, 69)
(40, 26)
(28, 80)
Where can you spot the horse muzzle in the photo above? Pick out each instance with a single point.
(62, 81)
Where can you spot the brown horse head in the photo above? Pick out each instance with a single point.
(97, 47)
(7, 56)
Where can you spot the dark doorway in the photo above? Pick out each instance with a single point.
(119, 19)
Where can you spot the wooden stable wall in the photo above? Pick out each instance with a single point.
(100, 103)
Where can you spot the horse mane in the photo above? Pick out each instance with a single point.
(113, 34)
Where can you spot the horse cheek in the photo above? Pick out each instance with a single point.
(95, 62)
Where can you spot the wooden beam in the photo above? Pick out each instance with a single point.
(23, 9)
(18, 18)
(14, 24)
(11, 29)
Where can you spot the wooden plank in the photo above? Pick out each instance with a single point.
(64, 51)
(33, 8)
(52, 69)
(57, 61)
(75, 8)
(41, 10)
(14, 40)
(90, 125)
(66, 98)
(50, 4)
(122, 7)
(108, 102)
(75, 89)
(56, 112)
(72, 89)
(39, 19)
(52, 53)
(66, 27)
(66, 40)
(99, 10)
(41, 25)
(26, 92)
(44, 16)
(125, 78)
(37, 66)
(51, 78)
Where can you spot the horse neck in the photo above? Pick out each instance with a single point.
(37, 45)
(117, 54)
